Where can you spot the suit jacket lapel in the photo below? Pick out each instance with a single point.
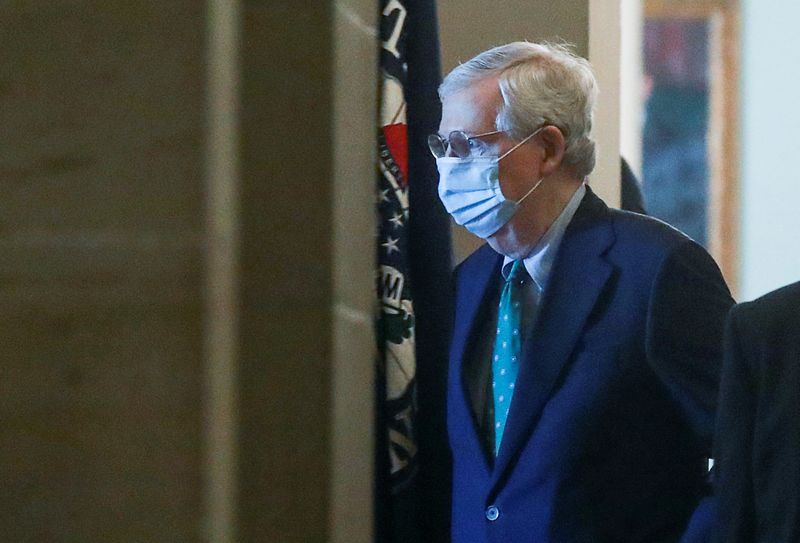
(477, 285)
(576, 280)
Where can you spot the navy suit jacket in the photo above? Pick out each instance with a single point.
(758, 435)
(611, 422)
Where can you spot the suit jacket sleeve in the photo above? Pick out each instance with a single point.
(734, 438)
(686, 320)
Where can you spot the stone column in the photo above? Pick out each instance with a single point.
(186, 229)
(308, 127)
(102, 238)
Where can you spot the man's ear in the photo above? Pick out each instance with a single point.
(553, 146)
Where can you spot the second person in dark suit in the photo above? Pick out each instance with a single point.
(757, 446)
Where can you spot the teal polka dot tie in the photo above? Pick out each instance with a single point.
(505, 359)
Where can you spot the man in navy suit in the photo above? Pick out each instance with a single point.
(758, 433)
(586, 351)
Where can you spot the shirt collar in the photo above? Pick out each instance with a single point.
(540, 260)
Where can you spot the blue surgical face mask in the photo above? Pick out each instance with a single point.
(470, 191)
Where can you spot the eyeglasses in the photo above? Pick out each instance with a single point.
(458, 141)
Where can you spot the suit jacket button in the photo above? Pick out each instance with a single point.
(492, 512)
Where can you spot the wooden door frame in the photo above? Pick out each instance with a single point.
(723, 126)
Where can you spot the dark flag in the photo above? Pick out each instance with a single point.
(413, 285)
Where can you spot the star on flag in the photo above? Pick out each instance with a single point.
(391, 245)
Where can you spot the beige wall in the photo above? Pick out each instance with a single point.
(101, 230)
(186, 325)
(469, 27)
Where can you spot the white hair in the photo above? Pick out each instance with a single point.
(540, 83)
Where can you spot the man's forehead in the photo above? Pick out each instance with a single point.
(473, 109)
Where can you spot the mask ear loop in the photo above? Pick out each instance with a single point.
(504, 155)
(536, 186)
(539, 182)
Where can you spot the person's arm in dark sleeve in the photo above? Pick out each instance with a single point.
(686, 319)
(733, 442)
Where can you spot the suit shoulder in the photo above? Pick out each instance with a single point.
(671, 261)
(784, 297)
(635, 228)
(779, 308)
(652, 243)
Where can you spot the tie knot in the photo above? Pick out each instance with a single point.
(517, 272)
